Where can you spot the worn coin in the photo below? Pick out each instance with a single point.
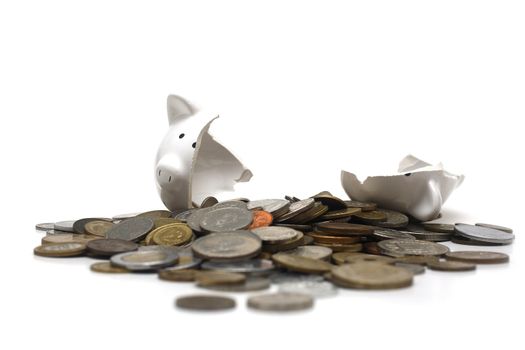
(344, 229)
(275, 207)
(98, 227)
(184, 275)
(195, 217)
(60, 249)
(67, 238)
(231, 204)
(251, 284)
(356, 247)
(415, 269)
(312, 214)
(301, 263)
(281, 301)
(176, 234)
(351, 259)
(165, 221)
(183, 216)
(133, 229)
(274, 248)
(226, 219)
(45, 226)
(317, 289)
(276, 234)
(205, 302)
(339, 214)
(297, 208)
(371, 275)
(121, 217)
(155, 214)
(386, 233)
(361, 205)
(444, 265)
(466, 241)
(478, 257)
(495, 227)
(372, 217)
(311, 251)
(442, 228)
(484, 234)
(144, 260)
(215, 278)
(252, 266)
(419, 231)
(79, 225)
(340, 257)
(261, 218)
(319, 237)
(186, 258)
(109, 247)
(282, 276)
(332, 202)
(66, 226)
(107, 267)
(227, 246)
(209, 202)
(402, 247)
(394, 219)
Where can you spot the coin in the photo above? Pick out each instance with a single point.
(281, 301)
(402, 247)
(205, 302)
(195, 217)
(133, 229)
(363, 206)
(172, 234)
(418, 231)
(296, 208)
(344, 229)
(332, 202)
(109, 247)
(371, 275)
(165, 221)
(484, 234)
(340, 257)
(478, 257)
(495, 227)
(226, 219)
(183, 216)
(298, 227)
(356, 247)
(261, 218)
(444, 265)
(252, 266)
(274, 248)
(276, 207)
(66, 226)
(209, 202)
(282, 276)
(251, 284)
(385, 233)
(341, 213)
(276, 234)
(374, 216)
(184, 275)
(317, 289)
(215, 278)
(462, 240)
(143, 260)
(155, 214)
(312, 214)
(78, 226)
(442, 228)
(186, 258)
(415, 269)
(106, 267)
(98, 227)
(60, 249)
(351, 259)
(67, 238)
(231, 204)
(45, 226)
(319, 237)
(310, 251)
(417, 260)
(229, 246)
(300, 263)
(394, 219)
(122, 217)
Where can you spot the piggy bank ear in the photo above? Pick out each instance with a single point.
(178, 108)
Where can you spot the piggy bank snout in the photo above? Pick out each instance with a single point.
(166, 174)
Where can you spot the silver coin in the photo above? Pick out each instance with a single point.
(310, 251)
(231, 204)
(186, 258)
(226, 219)
(416, 269)
(297, 208)
(145, 260)
(65, 226)
(183, 216)
(227, 246)
(279, 277)
(195, 217)
(495, 227)
(404, 247)
(317, 289)
(281, 301)
(121, 217)
(418, 231)
(394, 219)
(385, 233)
(272, 206)
(251, 284)
(253, 266)
(47, 226)
(484, 234)
(276, 234)
(133, 229)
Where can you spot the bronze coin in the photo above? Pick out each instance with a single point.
(444, 265)
(339, 214)
(321, 238)
(155, 214)
(371, 275)
(185, 275)
(110, 247)
(340, 257)
(478, 257)
(176, 234)
(356, 247)
(332, 202)
(98, 227)
(301, 264)
(394, 219)
(78, 226)
(60, 250)
(344, 229)
(361, 205)
(261, 218)
(107, 267)
(215, 278)
(205, 302)
(372, 217)
(440, 228)
(368, 258)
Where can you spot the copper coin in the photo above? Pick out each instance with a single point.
(214, 278)
(301, 264)
(184, 275)
(444, 265)
(261, 218)
(321, 238)
(478, 257)
(107, 267)
(339, 214)
(205, 302)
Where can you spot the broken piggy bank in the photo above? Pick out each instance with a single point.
(419, 189)
(190, 163)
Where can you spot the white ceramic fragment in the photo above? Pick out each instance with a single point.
(418, 189)
(190, 164)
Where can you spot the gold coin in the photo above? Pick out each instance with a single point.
(172, 234)
(60, 249)
(107, 267)
(215, 278)
(371, 275)
(301, 263)
(186, 275)
(98, 227)
(165, 221)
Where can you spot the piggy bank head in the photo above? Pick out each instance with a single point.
(190, 164)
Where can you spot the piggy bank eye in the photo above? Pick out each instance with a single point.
(194, 144)
(181, 135)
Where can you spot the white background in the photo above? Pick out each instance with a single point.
(304, 89)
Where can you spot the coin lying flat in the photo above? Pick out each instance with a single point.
(301, 263)
(107, 267)
(371, 275)
(176, 234)
(478, 257)
(319, 237)
(394, 219)
(495, 227)
(484, 234)
(402, 247)
(98, 227)
(275, 207)
(66, 226)
(252, 266)
(121, 217)
(317, 289)
(276, 234)
(226, 219)
(227, 246)
(297, 208)
(195, 217)
(420, 232)
(155, 214)
(216, 278)
(133, 229)
(78, 225)
(67, 238)
(144, 260)
(261, 218)
(386, 233)
(373, 217)
(444, 265)
(60, 249)
(281, 302)
(310, 251)
(415, 269)
(344, 229)
(46, 226)
(361, 205)
(183, 215)
(434, 227)
(183, 275)
(109, 247)
(339, 214)
(351, 259)
(205, 302)
(251, 284)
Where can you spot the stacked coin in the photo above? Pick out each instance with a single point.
(307, 247)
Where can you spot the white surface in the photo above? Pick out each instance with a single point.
(304, 89)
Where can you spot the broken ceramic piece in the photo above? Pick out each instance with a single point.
(190, 164)
(419, 189)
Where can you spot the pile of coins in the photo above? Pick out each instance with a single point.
(308, 248)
